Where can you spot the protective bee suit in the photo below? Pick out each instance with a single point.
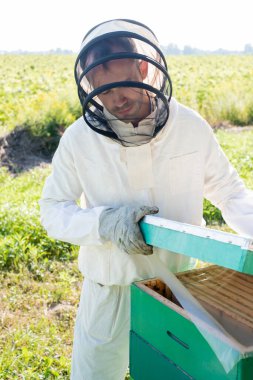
(108, 163)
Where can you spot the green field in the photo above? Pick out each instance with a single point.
(39, 277)
(219, 87)
(37, 90)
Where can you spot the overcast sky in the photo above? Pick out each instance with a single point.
(37, 25)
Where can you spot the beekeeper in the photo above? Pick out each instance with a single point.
(136, 151)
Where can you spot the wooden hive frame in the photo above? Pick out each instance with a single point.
(225, 290)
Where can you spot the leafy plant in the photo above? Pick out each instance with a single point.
(23, 240)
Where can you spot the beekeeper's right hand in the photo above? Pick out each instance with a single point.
(120, 226)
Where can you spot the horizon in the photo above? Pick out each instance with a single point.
(171, 48)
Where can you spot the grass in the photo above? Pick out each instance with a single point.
(219, 87)
(238, 146)
(37, 319)
(40, 286)
(36, 91)
(23, 240)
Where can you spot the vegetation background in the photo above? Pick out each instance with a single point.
(40, 282)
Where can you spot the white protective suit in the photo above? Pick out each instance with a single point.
(174, 171)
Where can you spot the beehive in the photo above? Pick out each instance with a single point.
(164, 343)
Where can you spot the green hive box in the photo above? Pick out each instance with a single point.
(164, 343)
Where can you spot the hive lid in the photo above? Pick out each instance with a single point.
(212, 246)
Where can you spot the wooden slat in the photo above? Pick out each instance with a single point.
(228, 291)
(224, 281)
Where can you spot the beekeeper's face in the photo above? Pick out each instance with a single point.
(129, 104)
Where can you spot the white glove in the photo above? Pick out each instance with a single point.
(120, 225)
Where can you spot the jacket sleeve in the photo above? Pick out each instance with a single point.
(60, 214)
(226, 190)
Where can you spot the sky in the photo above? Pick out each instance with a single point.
(41, 25)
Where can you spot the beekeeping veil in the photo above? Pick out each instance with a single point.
(128, 41)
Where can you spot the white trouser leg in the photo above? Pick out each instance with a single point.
(101, 339)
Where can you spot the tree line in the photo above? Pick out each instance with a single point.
(173, 49)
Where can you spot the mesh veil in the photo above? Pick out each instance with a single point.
(132, 46)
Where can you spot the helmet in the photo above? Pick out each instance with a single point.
(123, 83)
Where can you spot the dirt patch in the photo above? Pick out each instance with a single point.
(21, 151)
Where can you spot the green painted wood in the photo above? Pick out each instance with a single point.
(184, 344)
(205, 249)
(245, 369)
(147, 363)
(247, 265)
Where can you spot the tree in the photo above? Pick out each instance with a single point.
(248, 49)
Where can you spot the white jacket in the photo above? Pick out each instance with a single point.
(175, 171)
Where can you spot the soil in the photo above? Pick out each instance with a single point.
(21, 151)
